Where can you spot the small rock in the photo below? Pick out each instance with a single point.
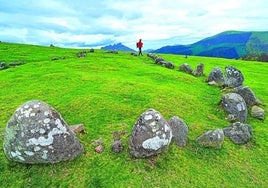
(99, 149)
(91, 50)
(239, 133)
(257, 112)
(55, 58)
(79, 128)
(117, 146)
(211, 138)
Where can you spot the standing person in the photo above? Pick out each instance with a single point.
(139, 45)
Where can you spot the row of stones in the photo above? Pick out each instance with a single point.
(199, 71)
(5, 65)
(232, 103)
(79, 55)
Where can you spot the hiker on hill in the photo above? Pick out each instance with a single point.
(139, 45)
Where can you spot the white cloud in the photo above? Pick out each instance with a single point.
(157, 22)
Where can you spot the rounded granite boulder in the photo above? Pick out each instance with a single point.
(37, 133)
(151, 135)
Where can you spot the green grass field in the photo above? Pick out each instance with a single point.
(107, 92)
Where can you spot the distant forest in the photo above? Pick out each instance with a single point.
(262, 57)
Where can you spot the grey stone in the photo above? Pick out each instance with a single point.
(212, 138)
(199, 70)
(117, 146)
(14, 64)
(158, 59)
(186, 68)
(234, 104)
(257, 112)
(239, 133)
(81, 54)
(170, 65)
(37, 133)
(179, 131)
(3, 65)
(91, 50)
(150, 136)
(247, 94)
(233, 77)
(216, 75)
(55, 58)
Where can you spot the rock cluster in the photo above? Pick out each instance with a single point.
(199, 71)
(160, 61)
(240, 99)
(152, 134)
(37, 133)
(236, 103)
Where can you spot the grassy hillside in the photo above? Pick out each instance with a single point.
(108, 92)
(228, 44)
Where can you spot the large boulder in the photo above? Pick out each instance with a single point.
(179, 131)
(257, 112)
(233, 77)
(216, 75)
(212, 138)
(234, 104)
(37, 133)
(186, 68)
(151, 135)
(247, 94)
(199, 70)
(239, 133)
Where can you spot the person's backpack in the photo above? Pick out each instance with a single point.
(137, 45)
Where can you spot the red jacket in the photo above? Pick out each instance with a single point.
(139, 44)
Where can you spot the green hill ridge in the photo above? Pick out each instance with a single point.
(107, 92)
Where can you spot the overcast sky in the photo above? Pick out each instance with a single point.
(96, 23)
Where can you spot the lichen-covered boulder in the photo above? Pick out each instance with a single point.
(216, 75)
(199, 70)
(151, 135)
(212, 138)
(234, 104)
(233, 77)
(36, 133)
(257, 112)
(179, 131)
(247, 94)
(239, 133)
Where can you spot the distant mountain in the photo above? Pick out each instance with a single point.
(119, 47)
(229, 44)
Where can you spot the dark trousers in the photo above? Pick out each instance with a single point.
(140, 53)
